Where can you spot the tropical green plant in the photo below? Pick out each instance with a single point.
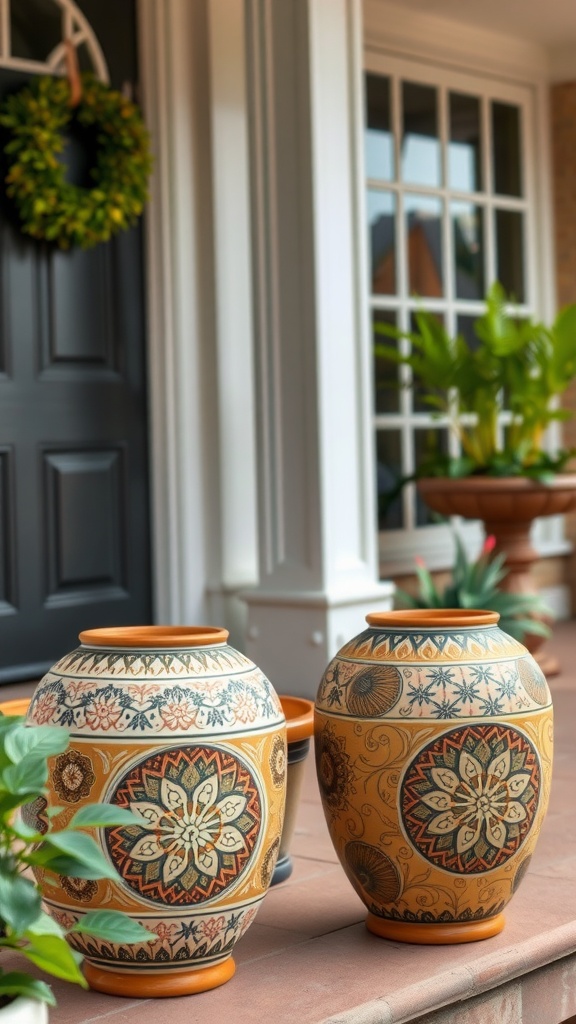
(24, 925)
(497, 393)
(476, 584)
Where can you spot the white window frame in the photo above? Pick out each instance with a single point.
(398, 548)
(74, 27)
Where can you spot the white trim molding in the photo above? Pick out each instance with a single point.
(318, 570)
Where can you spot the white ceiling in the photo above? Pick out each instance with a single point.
(551, 23)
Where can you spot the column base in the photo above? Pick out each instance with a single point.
(292, 636)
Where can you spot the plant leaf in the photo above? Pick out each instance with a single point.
(17, 983)
(43, 740)
(20, 902)
(113, 926)
(102, 815)
(52, 954)
(83, 852)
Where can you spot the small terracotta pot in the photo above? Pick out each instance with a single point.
(299, 714)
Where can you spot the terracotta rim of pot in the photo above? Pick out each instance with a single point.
(422, 618)
(153, 636)
(15, 706)
(299, 714)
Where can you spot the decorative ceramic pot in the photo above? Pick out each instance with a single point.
(433, 737)
(176, 725)
(299, 714)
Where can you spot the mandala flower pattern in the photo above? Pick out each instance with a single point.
(269, 863)
(73, 776)
(334, 768)
(469, 799)
(278, 761)
(203, 810)
(82, 889)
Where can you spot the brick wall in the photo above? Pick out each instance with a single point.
(563, 122)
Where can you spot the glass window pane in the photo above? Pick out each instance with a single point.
(510, 252)
(389, 472)
(382, 226)
(424, 241)
(386, 373)
(424, 443)
(417, 391)
(420, 142)
(506, 149)
(465, 327)
(35, 28)
(464, 154)
(378, 140)
(468, 242)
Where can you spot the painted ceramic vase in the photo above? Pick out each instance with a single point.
(176, 725)
(433, 737)
(299, 714)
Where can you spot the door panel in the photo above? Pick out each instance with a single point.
(74, 529)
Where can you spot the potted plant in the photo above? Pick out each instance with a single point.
(497, 395)
(477, 584)
(24, 925)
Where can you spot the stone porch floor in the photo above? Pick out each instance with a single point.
(309, 959)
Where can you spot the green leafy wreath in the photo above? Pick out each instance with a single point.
(51, 208)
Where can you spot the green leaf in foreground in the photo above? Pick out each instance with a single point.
(16, 983)
(83, 850)
(112, 926)
(103, 816)
(53, 954)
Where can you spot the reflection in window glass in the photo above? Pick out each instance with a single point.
(382, 227)
(378, 140)
(425, 442)
(424, 240)
(420, 142)
(389, 472)
(464, 157)
(386, 373)
(468, 243)
(506, 149)
(510, 252)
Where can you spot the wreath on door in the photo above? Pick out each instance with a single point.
(52, 208)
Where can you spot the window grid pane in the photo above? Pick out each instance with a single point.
(451, 222)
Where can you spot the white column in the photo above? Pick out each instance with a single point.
(175, 80)
(235, 562)
(317, 521)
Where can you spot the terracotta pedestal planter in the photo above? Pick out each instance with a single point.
(508, 507)
(299, 714)
(433, 740)
(188, 733)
